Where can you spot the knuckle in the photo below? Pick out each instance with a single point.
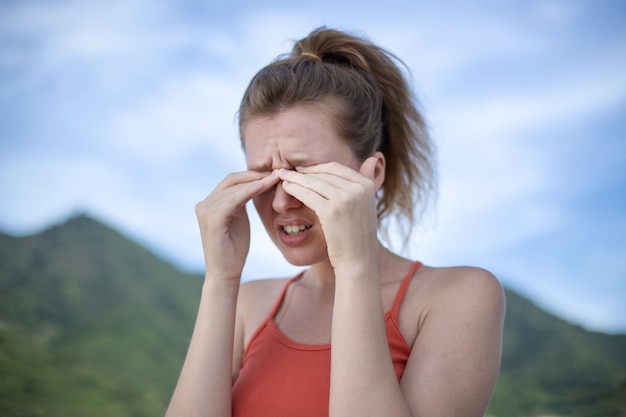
(200, 207)
(360, 190)
(230, 177)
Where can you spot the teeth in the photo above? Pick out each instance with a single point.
(295, 228)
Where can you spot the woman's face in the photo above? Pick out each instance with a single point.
(297, 137)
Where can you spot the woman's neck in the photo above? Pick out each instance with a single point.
(322, 274)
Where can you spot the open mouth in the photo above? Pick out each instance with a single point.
(294, 229)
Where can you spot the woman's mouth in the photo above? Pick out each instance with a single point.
(294, 229)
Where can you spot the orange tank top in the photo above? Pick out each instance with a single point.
(282, 378)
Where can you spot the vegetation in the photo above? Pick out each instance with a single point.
(92, 324)
(550, 367)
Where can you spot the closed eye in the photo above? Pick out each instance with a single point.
(289, 164)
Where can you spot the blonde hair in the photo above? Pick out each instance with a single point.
(373, 107)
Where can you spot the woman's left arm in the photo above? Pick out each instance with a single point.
(363, 381)
(455, 359)
(454, 363)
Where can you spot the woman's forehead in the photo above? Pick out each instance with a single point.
(295, 137)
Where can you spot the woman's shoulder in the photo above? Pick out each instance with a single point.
(459, 275)
(261, 288)
(439, 298)
(254, 303)
(256, 299)
(461, 286)
(257, 286)
(261, 291)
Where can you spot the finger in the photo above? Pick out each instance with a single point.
(334, 168)
(268, 181)
(326, 187)
(330, 179)
(244, 192)
(242, 177)
(308, 197)
(331, 171)
(324, 184)
(239, 193)
(368, 168)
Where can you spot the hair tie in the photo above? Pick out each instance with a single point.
(311, 55)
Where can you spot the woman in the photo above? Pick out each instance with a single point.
(334, 146)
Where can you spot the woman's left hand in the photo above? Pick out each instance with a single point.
(345, 203)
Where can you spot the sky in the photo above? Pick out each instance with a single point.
(125, 110)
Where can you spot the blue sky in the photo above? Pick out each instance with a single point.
(125, 110)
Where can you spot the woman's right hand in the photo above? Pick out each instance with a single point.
(224, 224)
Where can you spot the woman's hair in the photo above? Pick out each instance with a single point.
(362, 88)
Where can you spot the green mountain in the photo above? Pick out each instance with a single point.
(551, 367)
(92, 324)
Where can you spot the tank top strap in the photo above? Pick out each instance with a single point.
(281, 296)
(397, 302)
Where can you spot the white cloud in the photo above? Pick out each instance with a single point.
(135, 107)
(184, 113)
(508, 113)
(36, 187)
(502, 174)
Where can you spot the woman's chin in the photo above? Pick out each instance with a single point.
(296, 263)
(303, 258)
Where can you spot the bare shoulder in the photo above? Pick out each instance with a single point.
(463, 278)
(258, 293)
(458, 341)
(256, 299)
(261, 286)
(462, 287)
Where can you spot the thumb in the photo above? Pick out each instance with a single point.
(368, 168)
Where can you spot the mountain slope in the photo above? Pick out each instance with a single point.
(92, 324)
(551, 367)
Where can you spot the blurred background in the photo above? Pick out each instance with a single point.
(125, 110)
(117, 117)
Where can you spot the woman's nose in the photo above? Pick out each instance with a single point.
(283, 201)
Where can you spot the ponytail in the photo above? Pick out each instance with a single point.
(371, 103)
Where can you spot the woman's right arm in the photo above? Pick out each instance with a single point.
(205, 381)
(204, 385)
